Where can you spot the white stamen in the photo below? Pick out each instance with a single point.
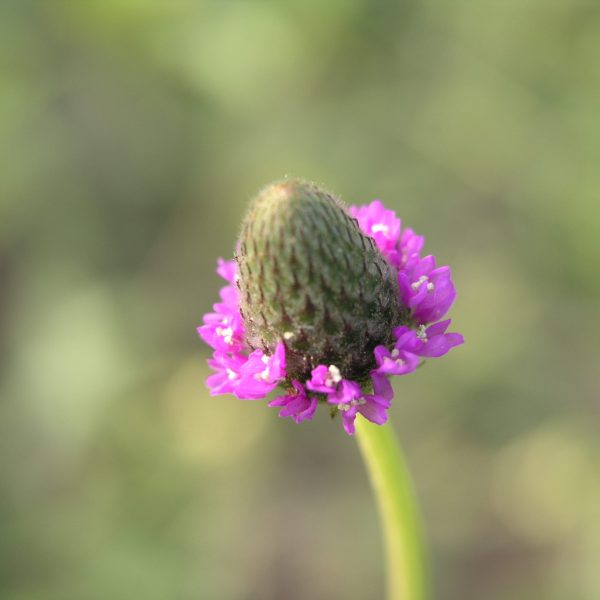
(421, 333)
(395, 354)
(263, 375)
(430, 287)
(265, 359)
(288, 335)
(380, 227)
(397, 361)
(417, 284)
(343, 406)
(231, 374)
(226, 333)
(333, 376)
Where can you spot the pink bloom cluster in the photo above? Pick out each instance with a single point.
(249, 376)
(425, 289)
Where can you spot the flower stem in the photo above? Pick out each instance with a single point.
(398, 511)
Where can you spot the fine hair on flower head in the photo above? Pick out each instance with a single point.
(326, 302)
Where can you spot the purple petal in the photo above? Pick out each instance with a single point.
(441, 344)
(308, 413)
(261, 374)
(324, 379)
(397, 362)
(298, 405)
(428, 291)
(221, 333)
(294, 405)
(346, 392)
(230, 300)
(374, 412)
(382, 388)
(410, 248)
(227, 269)
(277, 362)
(227, 373)
(438, 328)
(348, 420)
(382, 225)
(406, 339)
(435, 342)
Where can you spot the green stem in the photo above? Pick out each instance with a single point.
(398, 511)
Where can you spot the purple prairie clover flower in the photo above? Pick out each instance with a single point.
(222, 331)
(351, 400)
(296, 403)
(395, 361)
(226, 375)
(428, 291)
(324, 379)
(326, 302)
(410, 246)
(432, 341)
(227, 269)
(261, 373)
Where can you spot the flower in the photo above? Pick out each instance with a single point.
(350, 401)
(395, 362)
(261, 373)
(324, 379)
(223, 329)
(296, 404)
(327, 303)
(428, 291)
(432, 341)
(227, 376)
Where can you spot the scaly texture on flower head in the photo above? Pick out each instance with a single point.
(309, 276)
(327, 302)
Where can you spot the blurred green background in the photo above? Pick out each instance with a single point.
(132, 134)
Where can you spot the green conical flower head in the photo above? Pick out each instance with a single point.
(310, 278)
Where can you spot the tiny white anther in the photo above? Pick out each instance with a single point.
(430, 287)
(231, 374)
(421, 333)
(380, 227)
(288, 335)
(333, 376)
(226, 333)
(395, 353)
(417, 284)
(265, 359)
(263, 375)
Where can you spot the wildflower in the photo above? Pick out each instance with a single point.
(327, 302)
(296, 403)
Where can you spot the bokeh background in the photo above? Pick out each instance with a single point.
(132, 134)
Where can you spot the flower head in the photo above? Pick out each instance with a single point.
(327, 302)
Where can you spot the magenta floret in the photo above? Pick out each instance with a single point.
(296, 404)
